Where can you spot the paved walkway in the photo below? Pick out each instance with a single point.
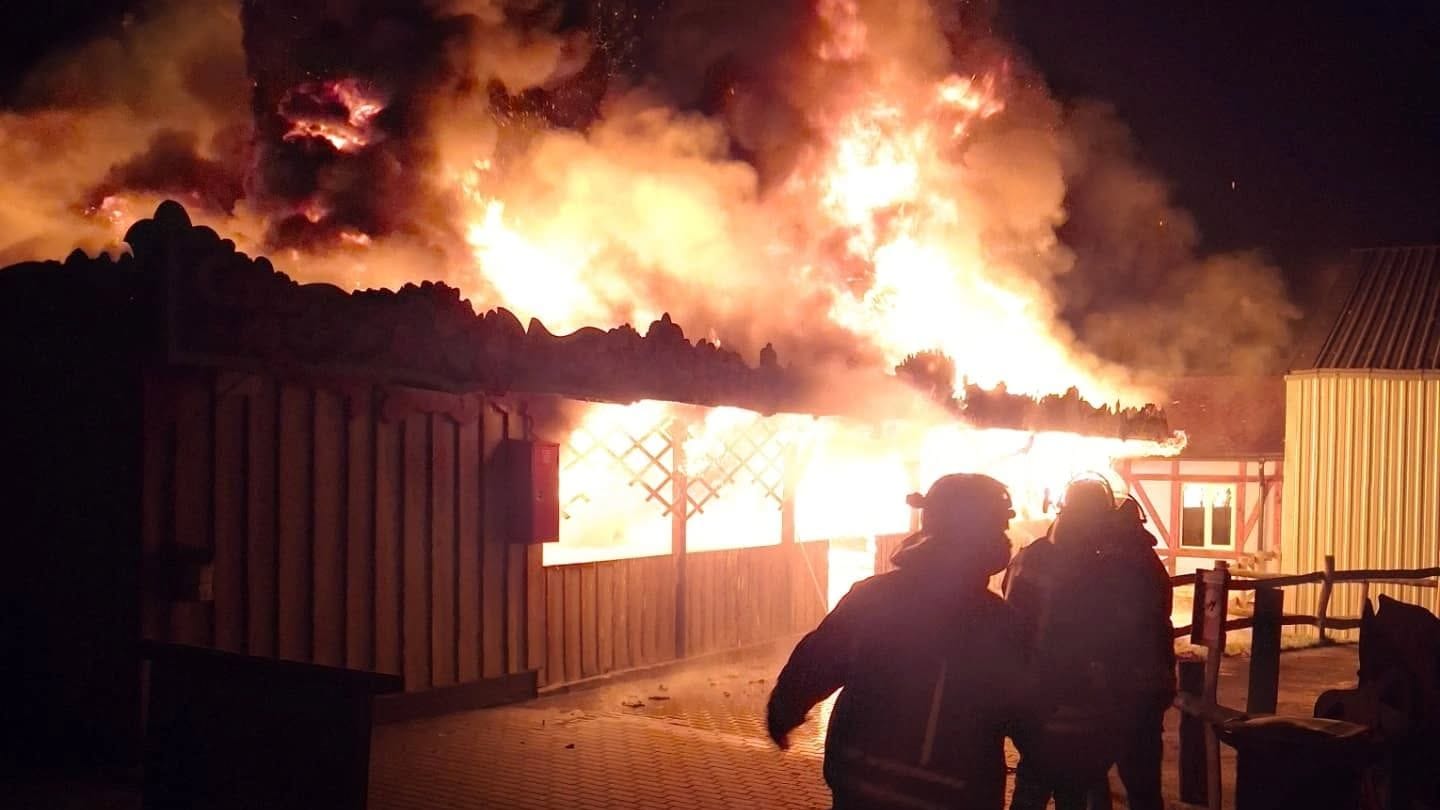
(691, 738)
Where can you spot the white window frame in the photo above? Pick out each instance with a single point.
(1208, 532)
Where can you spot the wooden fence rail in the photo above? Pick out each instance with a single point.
(1201, 713)
(1326, 579)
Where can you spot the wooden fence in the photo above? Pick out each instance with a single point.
(1201, 712)
(605, 617)
(353, 525)
(1326, 579)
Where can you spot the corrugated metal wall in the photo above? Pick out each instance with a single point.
(1362, 480)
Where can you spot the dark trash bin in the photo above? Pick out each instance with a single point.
(234, 731)
(1300, 762)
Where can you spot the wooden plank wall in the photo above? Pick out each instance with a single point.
(809, 585)
(737, 597)
(605, 617)
(609, 616)
(346, 524)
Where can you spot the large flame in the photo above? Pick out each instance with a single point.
(890, 223)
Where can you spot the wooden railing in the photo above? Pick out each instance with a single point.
(1327, 580)
(1201, 712)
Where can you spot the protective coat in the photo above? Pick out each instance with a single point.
(931, 668)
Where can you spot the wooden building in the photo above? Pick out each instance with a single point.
(199, 450)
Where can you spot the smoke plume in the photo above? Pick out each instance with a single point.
(852, 180)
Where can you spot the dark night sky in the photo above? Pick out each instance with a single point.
(1325, 114)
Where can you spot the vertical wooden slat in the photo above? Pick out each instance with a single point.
(554, 625)
(605, 616)
(389, 522)
(190, 620)
(573, 671)
(492, 553)
(415, 587)
(699, 568)
(444, 644)
(360, 582)
(294, 538)
(589, 620)
(467, 555)
(156, 508)
(649, 616)
(261, 596)
(329, 486)
(535, 607)
(230, 458)
(670, 573)
(515, 602)
(623, 600)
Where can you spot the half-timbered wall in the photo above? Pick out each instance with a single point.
(1254, 485)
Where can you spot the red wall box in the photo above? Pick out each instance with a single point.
(531, 500)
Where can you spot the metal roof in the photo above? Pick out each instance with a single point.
(1391, 317)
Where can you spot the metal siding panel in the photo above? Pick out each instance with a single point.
(1362, 479)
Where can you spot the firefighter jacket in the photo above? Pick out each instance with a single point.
(929, 664)
(1098, 619)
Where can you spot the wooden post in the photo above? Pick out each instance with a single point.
(1264, 688)
(1217, 597)
(679, 512)
(1323, 608)
(1192, 736)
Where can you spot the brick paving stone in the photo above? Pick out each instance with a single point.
(698, 750)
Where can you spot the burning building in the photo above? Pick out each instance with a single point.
(315, 471)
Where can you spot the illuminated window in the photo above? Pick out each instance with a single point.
(1207, 516)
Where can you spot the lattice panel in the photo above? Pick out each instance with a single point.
(643, 459)
(754, 453)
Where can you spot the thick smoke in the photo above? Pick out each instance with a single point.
(593, 163)
(1141, 293)
(171, 82)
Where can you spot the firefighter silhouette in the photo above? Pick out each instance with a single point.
(1094, 603)
(928, 661)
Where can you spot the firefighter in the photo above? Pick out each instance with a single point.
(928, 662)
(1139, 591)
(1095, 600)
(1049, 584)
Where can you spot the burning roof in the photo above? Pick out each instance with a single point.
(224, 307)
(847, 184)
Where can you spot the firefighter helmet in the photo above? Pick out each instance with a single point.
(963, 501)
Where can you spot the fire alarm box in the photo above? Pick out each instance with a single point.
(530, 483)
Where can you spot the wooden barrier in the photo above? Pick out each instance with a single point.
(1327, 579)
(1201, 713)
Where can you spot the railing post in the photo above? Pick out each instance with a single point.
(1217, 601)
(1192, 735)
(1264, 688)
(1323, 608)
